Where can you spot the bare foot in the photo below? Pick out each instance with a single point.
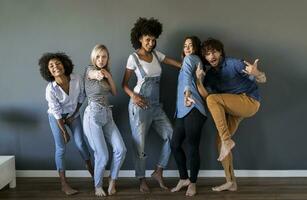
(143, 186)
(111, 188)
(191, 191)
(230, 186)
(181, 183)
(226, 147)
(68, 190)
(100, 192)
(157, 175)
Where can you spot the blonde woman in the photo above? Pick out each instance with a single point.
(98, 122)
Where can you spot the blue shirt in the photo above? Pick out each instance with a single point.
(229, 78)
(186, 81)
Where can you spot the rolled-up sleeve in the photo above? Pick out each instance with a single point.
(54, 105)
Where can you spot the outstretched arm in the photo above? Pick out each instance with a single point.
(172, 62)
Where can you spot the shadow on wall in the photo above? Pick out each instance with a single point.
(19, 117)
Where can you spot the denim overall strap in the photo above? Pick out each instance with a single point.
(143, 73)
(150, 88)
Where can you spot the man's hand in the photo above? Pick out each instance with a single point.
(200, 74)
(252, 69)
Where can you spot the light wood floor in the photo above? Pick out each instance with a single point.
(249, 189)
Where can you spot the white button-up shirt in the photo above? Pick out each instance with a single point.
(59, 102)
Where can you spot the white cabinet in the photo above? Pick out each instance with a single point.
(7, 171)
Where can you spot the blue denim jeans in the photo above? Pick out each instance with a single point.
(98, 127)
(140, 121)
(77, 133)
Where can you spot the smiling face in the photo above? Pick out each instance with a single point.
(56, 67)
(188, 48)
(214, 57)
(102, 58)
(148, 42)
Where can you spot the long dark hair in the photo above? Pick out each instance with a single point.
(196, 45)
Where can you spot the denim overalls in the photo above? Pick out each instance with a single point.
(153, 116)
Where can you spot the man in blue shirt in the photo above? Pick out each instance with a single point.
(231, 94)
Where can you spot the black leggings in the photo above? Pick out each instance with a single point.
(188, 127)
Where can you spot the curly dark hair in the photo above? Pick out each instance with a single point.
(212, 44)
(143, 26)
(62, 57)
(196, 45)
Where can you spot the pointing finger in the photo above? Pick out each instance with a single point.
(247, 63)
(256, 62)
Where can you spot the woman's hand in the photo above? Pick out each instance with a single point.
(105, 73)
(66, 137)
(139, 100)
(69, 120)
(188, 100)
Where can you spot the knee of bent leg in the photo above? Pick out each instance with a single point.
(167, 135)
(141, 154)
(121, 152)
(211, 99)
(80, 145)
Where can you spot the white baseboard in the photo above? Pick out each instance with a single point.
(169, 173)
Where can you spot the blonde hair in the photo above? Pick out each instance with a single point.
(96, 50)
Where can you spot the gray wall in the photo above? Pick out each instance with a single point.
(272, 30)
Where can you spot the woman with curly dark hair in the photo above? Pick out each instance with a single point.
(64, 94)
(144, 106)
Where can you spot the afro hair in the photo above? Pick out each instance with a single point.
(44, 61)
(143, 26)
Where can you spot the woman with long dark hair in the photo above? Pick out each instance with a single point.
(190, 117)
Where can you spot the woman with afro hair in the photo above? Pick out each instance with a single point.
(65, 95)
(144, 107)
